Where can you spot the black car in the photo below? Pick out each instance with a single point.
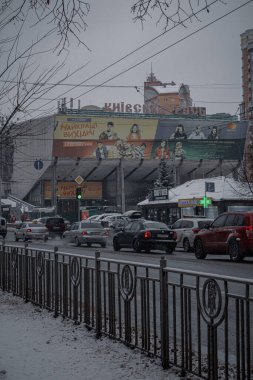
(145, 235)
(3, 227)
(55, 225)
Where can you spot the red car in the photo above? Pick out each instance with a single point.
(230, 233)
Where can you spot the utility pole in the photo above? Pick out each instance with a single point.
(122, 187)
(54, 185)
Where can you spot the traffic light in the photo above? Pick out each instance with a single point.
(78, 193)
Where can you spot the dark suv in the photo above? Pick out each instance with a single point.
(55, 225)
(230, 233)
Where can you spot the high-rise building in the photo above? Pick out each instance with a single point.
(247, 74)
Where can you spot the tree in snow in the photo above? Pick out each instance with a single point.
(165, 175)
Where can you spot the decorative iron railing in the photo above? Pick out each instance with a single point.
(199, 322)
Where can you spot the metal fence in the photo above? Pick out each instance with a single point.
(199, 322)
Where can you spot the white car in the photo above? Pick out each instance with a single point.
(86, 232)
(186, 229)
(31, 231)
(114, 219)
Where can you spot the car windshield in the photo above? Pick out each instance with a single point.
(35, 225)
(203, 223)
(91, 225)
(156, 225)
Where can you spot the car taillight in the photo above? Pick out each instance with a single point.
(174, 235)
(28, 230)
(147, 234)
(249, 231)
(84, 233)
(195, 230)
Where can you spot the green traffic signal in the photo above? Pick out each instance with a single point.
(78, 193)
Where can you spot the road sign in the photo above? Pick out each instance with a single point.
(38, 164)
(210, 187)
(79, 180)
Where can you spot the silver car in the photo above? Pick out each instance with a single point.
(31, 231)
(86, 233)
(186, 229)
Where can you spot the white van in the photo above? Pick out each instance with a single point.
(3, 227)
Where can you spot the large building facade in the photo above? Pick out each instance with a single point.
(247, 74)
(117, 156)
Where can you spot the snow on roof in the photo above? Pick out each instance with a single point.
(225, 189)
(167, 89)
(8, 202)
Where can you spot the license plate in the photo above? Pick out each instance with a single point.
(162, 235)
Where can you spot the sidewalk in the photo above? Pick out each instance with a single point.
(36, 346)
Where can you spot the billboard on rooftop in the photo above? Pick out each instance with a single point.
(139, 137)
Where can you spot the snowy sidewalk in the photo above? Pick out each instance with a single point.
(35, 346)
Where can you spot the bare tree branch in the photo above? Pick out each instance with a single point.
(67, 17)
(169, 12)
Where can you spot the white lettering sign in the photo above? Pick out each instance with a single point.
(124, 108)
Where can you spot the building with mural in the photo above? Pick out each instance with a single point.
(117, 156)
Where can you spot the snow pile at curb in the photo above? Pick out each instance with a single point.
(36, 346)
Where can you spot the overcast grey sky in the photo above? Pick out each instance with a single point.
(209, 61)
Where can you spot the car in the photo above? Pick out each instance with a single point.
(186, 229)
(31, 231)
(133, 214)
(113, 220)
(55, 224)
(86, 232)
(103, 216)
(230, 233)
(3, 227)
(92, 218)
(145, 235)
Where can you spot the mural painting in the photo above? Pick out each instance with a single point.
(148, 138)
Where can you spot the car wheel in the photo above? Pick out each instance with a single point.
(234, 251)
(89, 245)
(16, 238)
(136, 246)
(116, 245)
(147, 250)
(24, 238)
(186, 245)
(199, 250)
(45, 238)
(103, 245)
(169, 249)
(77, 242)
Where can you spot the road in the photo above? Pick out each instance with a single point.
(214, 264)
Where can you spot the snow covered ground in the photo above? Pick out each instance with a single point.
(36, 346)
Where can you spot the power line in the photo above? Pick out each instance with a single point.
(159, 52)
(207, 85)
(137, 49)
(164, 49)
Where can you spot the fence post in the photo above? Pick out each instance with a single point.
(164, 314)
(3, 266)
(56, 284)
(26, 273)
(98, 294)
